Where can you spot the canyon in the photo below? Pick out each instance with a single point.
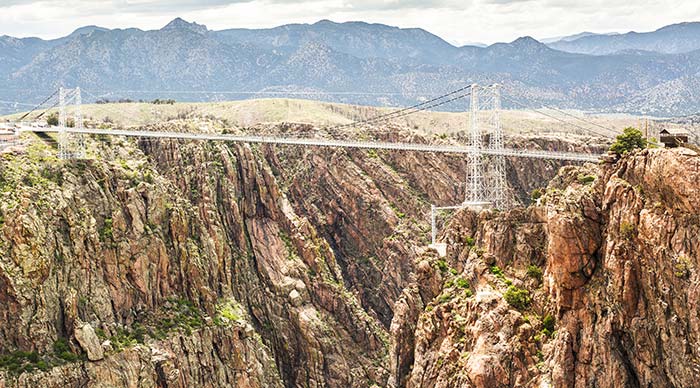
(159, 263)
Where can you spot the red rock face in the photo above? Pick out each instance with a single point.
(209, 264)
(620, 278)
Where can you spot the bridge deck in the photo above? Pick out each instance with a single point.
(537, 154)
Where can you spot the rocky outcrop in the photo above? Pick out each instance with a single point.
(216, 357)
(87, 339)
(597, 287)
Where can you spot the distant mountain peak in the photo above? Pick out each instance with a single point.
(678, 26)
(526, 41)
(529, 43)
(87, 30)
(331, 23)
(181, 24)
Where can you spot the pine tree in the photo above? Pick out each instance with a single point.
(630, 140)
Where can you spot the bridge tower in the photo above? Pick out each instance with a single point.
(497, 167)
(476, 191)
(70, 145)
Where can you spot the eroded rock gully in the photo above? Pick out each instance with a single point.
(210, 264)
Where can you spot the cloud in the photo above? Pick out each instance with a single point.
(507, 1)
(189, 5)
(458, 21)
(127, 5)
(160, 6)
(368, 5)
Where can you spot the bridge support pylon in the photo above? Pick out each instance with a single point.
(483, 190)
(497, 168)
(476, 194)
(70, 145)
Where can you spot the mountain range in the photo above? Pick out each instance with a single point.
(673, 39)
(356, 62)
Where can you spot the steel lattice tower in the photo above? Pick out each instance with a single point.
(476, 193)
(70, 145)
(497, 173)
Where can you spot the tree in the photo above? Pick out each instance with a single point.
(52, 119)
(630, 140)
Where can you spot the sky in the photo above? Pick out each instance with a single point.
(457, 21)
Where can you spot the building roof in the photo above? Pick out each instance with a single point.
(675, 131)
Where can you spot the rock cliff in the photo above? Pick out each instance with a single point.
(596, 286)
(178, 263)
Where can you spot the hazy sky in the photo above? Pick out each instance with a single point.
(458, 21)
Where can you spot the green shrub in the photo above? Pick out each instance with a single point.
(534, 272)
(461, 283)
(469, 241)
(536, 194)
(442, 265)
(445, 297)
(60, 346)
(68, 356)
(630, 140)
(496, 270)
(231, 311)
(158, 101)
(52, 119)
(682, 267)
(397, 211)
(43, 365)
(627, 230)
(548, 323)
(518, 297)
(178, 314)
(20, 361)
(106, 233)
(586, 179)
(464, 285)
(123, 339)
(289, 244)
(62, 350)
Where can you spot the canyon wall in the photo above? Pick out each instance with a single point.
(179, 263)
(595, 286)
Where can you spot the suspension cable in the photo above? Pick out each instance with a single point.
(36, 107)
(557, 118)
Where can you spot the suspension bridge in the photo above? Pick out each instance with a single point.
(485, 183)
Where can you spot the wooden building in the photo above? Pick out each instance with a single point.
(672, 138)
